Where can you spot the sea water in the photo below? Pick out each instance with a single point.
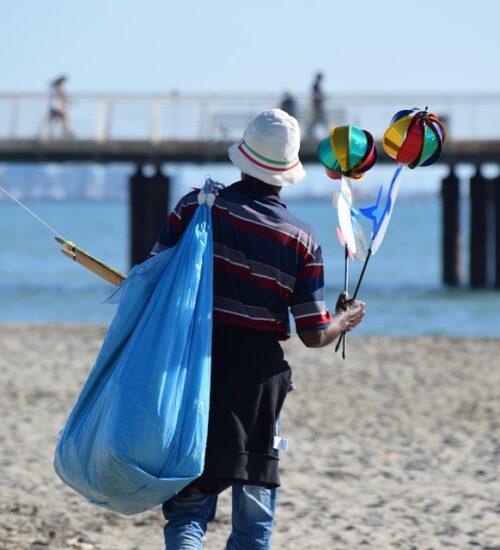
(402, 285)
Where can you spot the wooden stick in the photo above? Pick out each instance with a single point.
(92, 264)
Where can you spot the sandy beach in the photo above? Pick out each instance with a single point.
(396, 447)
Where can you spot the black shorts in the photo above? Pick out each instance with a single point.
(249, 382)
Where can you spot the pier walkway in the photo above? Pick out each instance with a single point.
(178, 128)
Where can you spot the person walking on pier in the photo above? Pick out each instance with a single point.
(266, 263)
(58, 108)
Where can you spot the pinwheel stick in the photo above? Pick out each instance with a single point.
(361, 275)
(346, 288)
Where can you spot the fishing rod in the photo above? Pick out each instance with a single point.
(75, 253)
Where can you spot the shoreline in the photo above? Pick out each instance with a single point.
(355, 336)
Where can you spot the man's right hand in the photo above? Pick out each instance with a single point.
(348, 314)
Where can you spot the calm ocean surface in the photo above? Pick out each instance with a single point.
(402, 287)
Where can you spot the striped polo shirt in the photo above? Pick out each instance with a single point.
(266, 261)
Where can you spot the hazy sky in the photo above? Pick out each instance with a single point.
(259, 46)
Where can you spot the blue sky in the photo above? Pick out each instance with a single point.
(261, 46)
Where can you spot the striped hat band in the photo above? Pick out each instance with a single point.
(263, 162)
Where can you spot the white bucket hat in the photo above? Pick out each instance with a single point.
(269, 149)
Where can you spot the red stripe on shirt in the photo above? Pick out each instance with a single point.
(175, 222)
(314, 321)
(227, 318)
(257, 229)
(244, 272)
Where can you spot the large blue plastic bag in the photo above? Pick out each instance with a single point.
(137, 433)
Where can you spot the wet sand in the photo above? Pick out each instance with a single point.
(396, 447)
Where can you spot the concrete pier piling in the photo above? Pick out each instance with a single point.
(149, 198)
(478, 240)
(484, 234)
(451, 235)
(496, 210)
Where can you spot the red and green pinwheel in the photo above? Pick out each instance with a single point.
(347, 154)
(414, 138)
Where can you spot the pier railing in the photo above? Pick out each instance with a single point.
(183, 117)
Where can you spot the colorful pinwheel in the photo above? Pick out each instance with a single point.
(414, 138)
(347, 154)
(349, 151)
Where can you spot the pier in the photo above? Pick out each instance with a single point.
(174, 128)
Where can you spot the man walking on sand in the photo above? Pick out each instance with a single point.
(266, 263)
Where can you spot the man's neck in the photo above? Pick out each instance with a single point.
(261, 185)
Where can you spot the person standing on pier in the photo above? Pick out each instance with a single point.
(266, 263)
(288, 104)
(318, 114)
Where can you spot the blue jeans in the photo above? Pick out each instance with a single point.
(188, 515)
